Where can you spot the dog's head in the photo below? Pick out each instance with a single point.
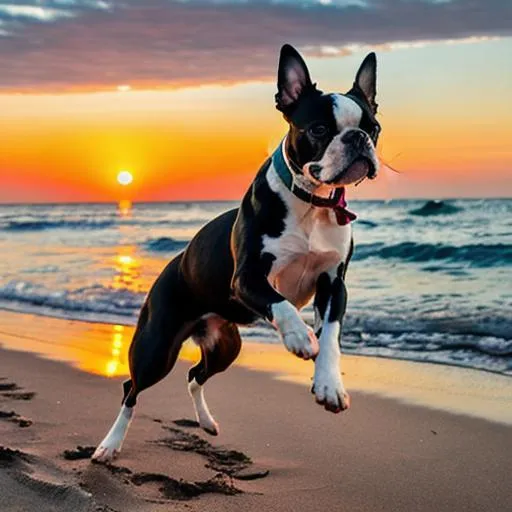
(332, 137)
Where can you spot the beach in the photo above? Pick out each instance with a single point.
(397, 448)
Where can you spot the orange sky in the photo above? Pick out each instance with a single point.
(445, 127)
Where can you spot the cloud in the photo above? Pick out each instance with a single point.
(60, 45)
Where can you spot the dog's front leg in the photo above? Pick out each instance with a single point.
(330, 304)
(252, 266)
(253, 289)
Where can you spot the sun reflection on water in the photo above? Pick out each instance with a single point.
(127, 270)
(117, 364)
(124, 208)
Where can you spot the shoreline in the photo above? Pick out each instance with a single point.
(131, 325)
(100, 349)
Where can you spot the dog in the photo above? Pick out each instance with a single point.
(290, 240)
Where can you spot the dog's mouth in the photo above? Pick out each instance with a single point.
(361, 168)
(358, 170)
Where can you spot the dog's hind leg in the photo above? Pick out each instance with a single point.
(220, 344)
(111, 445)
(161, 330)
(153, 354)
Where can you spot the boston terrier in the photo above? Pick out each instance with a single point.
(290, 240)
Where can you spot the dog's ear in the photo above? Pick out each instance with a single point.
(293, 78)
(366, 80)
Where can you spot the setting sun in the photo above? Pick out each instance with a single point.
(124, 178)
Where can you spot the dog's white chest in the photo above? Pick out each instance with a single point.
(306, 248)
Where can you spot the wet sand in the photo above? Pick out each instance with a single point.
(397, 448)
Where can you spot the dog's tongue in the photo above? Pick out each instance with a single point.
(357, 171)
(343, 216)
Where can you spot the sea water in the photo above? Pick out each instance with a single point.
(429, 281)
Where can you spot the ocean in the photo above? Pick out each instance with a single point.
(429, 281)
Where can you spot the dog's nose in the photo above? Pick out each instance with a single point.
(315, 170)
(354, 137)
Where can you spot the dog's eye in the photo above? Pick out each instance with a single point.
(318, 130)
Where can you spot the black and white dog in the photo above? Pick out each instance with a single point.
(290, 239)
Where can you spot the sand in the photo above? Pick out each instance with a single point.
(277, 449)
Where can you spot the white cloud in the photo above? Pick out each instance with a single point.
(56, 45)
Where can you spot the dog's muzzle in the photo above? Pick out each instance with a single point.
(361, 166)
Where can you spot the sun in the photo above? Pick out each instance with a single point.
(124, 178)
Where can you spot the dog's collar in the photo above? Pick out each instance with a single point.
(336, 200)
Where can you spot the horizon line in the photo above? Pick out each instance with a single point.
(188, 201)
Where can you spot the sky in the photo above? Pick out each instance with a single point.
(180, 93)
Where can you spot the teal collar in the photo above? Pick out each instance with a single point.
(336, 200)
(282, 166)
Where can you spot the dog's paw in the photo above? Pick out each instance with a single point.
(105, 453)
(330, 393)
(210, 426)
(297, 337)
(301, 341)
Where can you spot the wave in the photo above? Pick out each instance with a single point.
(96, 299)
(477, 255)
(368, 223)
(481, 353)
(100, 299)
(91, 224)
(164, 244)
(41, 225)
(435, 208)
